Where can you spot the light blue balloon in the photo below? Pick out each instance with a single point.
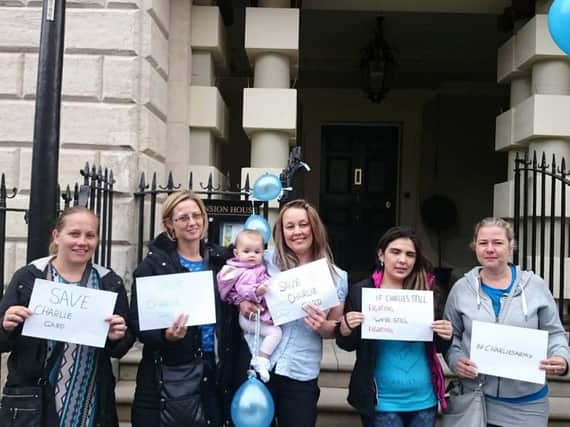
(252, 405)
(259, 224)
(267, 187)
(559, 24)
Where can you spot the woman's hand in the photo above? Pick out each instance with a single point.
(117, 327)
(315, 318)
(248, 309)
(178, 329)
(15, 316)
(466, 368)
(349, 321)
(443, 329)
(554, 365)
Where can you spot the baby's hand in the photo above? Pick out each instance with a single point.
(261, 289)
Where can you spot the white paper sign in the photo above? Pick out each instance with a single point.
(161, 299)
(395, 314)
(70, 313)
(308, 284)
(509, 351)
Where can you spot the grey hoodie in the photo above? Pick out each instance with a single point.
(530, 305)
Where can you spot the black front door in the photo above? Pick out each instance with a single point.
(358, 191)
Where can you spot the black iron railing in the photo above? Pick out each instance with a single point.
(96, 193)
(4, 209)
(540, 225)
(151, 192)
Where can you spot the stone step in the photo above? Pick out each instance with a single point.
(124, 393)
(333, 380)
(334, 410)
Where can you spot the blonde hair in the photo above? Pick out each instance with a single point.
(494, 222)
(249, 233)
(173, 200)
(284, 257)
(60, 223)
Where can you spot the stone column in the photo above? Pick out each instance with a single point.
(539, 74)
(270, 107)
(208, 116)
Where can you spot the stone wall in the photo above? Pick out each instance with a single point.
(115, 103)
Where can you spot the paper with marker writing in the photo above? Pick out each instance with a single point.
(509, 351)
(161, 299)
(290, 290)
(396, 314)
(70, 313)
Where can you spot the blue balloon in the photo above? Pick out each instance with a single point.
(252, 405)
(559, 24)
(267, 187)
(259, 224)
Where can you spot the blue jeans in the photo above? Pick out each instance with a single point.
(422, 418)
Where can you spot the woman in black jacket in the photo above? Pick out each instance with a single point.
(82, 379)
(181, 248)
(395, 382)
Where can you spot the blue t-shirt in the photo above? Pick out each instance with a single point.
(496, 295)
(208, 331)
(403, 377)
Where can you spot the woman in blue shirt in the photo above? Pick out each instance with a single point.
(396, 383)
(181, 248)
(498, 291)
(300, 237)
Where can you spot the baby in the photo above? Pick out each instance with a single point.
(245, 278)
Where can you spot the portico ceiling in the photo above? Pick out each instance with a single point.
(437, 6)
(432, 48)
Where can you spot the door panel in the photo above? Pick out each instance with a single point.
(358, 191)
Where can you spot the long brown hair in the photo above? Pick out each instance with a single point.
(60, 223)
(284, 257)
(173, 200)
(418, 278)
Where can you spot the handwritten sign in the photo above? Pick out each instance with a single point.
(289, 291)
(393, 314)
(509, 351)
(64, 312)
(161, 299)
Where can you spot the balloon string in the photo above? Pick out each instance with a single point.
(257, 332)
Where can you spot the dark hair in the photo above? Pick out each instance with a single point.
(418, 278)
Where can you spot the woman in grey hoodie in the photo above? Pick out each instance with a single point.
(498, 291)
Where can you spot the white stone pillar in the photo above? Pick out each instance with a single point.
(539, 73)
(208, 113)
(270, 107)
(272, 70)
(178, 135)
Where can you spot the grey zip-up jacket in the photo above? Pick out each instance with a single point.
(529, 305)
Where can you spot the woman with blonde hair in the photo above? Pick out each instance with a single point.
(300, 237)
(498, 291)
(180, 248)
(81, 382)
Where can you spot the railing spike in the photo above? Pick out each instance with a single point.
(170, 181)
(153, 184)
(210, 186)
(142, 183)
